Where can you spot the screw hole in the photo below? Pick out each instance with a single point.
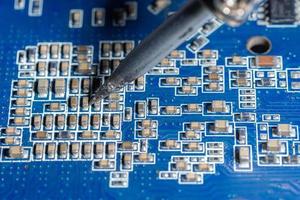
(259, 45)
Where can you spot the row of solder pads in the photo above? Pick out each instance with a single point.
(85, 121)
(103, 153)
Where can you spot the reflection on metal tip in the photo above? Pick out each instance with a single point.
(94, 100)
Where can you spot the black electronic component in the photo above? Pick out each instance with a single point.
(281, 12)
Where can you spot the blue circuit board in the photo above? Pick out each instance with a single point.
(212, 120)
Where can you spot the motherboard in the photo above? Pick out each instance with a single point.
(218, 118)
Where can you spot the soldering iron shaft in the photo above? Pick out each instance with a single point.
(168, 36)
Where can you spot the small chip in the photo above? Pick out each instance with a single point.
(37, 121)
(35, 8)
(41, 68)
(127, 160)
(244, 157)
(42, 87)
(111, 150)
(12, 131)
(284, 129)
(98, 149)
(144, 157)
(19, 4)
(16, 152)
(85, 85)
(242, 82)
(181, 165)
(73, 103)
(192, 107)
(128, 47)
(95, 121)
(98, 17)
(191, 177)
(66, 49)
(23, 93)
(103, 164)
(9, 140)
(41, 135)
(72, 121)
(218, 106)
(139, 83)
(76, 18)
(55, 107)
(282, 12)
(171, 81)
(128, 114)
(131, 10)
(48, 121)
(192, 81)
(64, 135)
(83, 68)
(148, 124)
(193, 146)
(75, 149)
(295, 74)
(62, 150)
(238, 60)
(147, 133)
(176, 54)
(85, 103)
(84, 121)
(106, 50)
(20, 121)
(221, 126)
(38, 150)
(60, 87)
(274, 145)
(171, 144)
(60, 121)
(117, 49)
(214, 86)
(54, 51)
(213, 69)
(21, 102)
(119, 17)
(208, 54)
(64, 68)
(115, 121)
(87, 150)
(127, 145)
(21, 111)
(188, 89)
(213, 77)
(52, 68)
(266, 61)
(158, 5)
(172, 110)
(191, 135)
(23, 83)
(140, 109)
(197, 126)
(153, 106)
(111, 134)
(295, 85)
(51, 147)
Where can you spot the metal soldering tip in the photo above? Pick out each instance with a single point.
(93, 100)
(99, 94)
(102, 92)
